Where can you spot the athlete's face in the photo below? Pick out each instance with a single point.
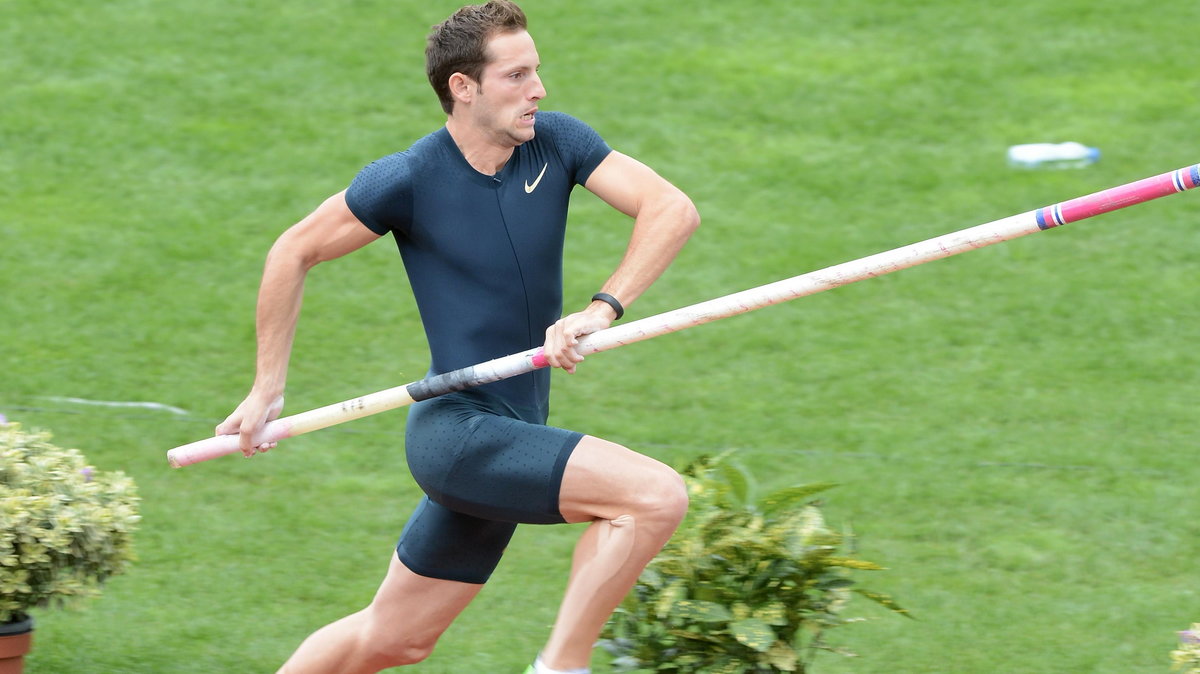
(508, 93)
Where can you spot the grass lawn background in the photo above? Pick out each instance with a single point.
(1012, 428)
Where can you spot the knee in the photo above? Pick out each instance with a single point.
(400, 654)
(666, 499)
(396, 650)
(411, 654)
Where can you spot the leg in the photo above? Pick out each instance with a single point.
(634, 503)
(399, 627)
(441, 562)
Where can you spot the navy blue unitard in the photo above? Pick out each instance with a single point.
(483, 255)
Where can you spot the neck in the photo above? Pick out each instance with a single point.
(483, 153)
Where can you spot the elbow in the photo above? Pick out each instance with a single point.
(287, 252)
(693, 218)
(687, 215)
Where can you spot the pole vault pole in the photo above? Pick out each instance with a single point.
(707, 312)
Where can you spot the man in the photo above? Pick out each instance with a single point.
(478, 211)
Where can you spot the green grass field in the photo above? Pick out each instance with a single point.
(1013, 429)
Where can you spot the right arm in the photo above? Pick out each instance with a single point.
(329, 232)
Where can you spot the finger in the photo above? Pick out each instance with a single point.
(554, 345)
(557, 358)
(565, 357)
(568, 359)
(230, 426)
(246, 440)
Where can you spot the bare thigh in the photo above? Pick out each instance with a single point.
(418, 607)
(604, 480)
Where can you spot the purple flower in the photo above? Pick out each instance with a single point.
(1190, 637)
(87, 474)
(3, 420)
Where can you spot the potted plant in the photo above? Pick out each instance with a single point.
(745, 586)
(65, 528)
(1186, 658)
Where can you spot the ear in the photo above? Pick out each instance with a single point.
(462, 88)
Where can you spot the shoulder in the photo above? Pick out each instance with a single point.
(379, 195)
(383, 172)
(578, 145)
(378, 188)
(429, 147)
(563, 127)
(399, 165)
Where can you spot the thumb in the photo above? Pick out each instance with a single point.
(231, 425)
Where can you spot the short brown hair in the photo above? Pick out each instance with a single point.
(459, 44)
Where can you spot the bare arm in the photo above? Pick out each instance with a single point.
(664, 219)
(329, 232)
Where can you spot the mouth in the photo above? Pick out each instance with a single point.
(529, 116)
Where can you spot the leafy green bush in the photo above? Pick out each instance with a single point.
(743, 587)
(64, 526)
(1186, 658)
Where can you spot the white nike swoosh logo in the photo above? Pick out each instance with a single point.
(530, 188)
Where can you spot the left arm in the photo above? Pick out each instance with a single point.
(664, 219)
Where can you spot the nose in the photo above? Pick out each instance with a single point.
(538, 90)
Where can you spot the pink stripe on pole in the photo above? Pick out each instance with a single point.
(1118, 197)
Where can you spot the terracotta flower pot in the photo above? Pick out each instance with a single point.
(16, 638)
